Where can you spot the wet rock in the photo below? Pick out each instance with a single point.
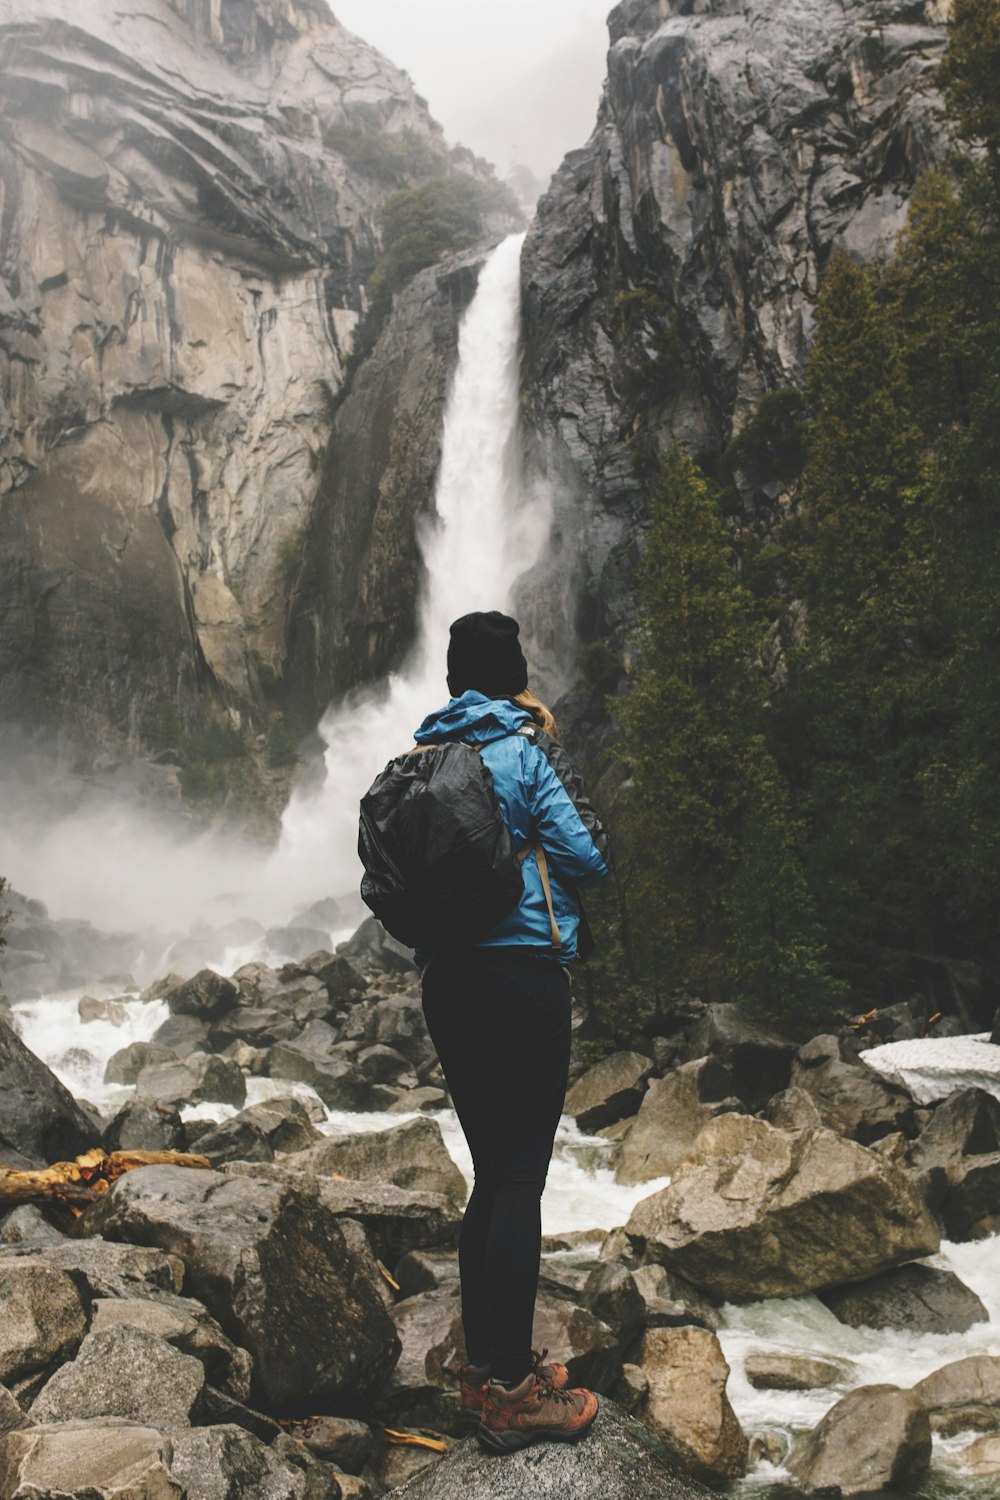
(398, 1022)
(39, 1119)
(411, 1155)
(852, 1098)
(97, 1458)
(89, 1008)
(768, 1371)
(963, 1394)
(420, 1098)
(42, 1317)
(611, 1294)
(964, 1126)
(216, 1463)
(338, 976)
(184, 1323)
(256, 982)
(380, 1064)
(757, 1059)
(792, 1109)
(257, 1026)
(757, 1212)
(125, 1065)
(182, 1035)
(917, 1298)
(206, 996)
(611, 1090)
(672, 1114)
(981, 1458)
(143, 1126)
(631, 1462)
(875, 1437)
(103, 1269)
(125, 1372)
(374, 951)
(669, 1301)
(237, 1139)
(284, 1122)
(971, 1210)
(201, 1078)
(311, 1059)
(270, 1263)
(422, 1391)
(687, 1405)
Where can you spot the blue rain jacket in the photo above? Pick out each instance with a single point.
(543, 801)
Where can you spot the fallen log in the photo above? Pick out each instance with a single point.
(78, 1183)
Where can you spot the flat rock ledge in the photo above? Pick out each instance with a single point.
(619, 1459)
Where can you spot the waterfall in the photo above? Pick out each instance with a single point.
(485, 533)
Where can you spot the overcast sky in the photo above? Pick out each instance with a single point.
(516, 82)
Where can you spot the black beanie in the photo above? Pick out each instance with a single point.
(484, 654)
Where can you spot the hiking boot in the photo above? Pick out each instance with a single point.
(534, 1412)
(473, 1379)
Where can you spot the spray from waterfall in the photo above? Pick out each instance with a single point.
(486, 532)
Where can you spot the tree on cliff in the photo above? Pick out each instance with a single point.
(717, 903)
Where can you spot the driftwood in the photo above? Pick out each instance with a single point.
(76, 1184)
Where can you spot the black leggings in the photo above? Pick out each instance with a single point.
(500, 1022)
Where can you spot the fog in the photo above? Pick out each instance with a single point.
(519, 83)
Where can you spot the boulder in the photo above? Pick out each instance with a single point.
(767, 1371)
(182, 1034)
(219, 1462)
(103, 1269)
(284, 1122)
(631, 1388)
(971, 1210)
(184, 1323)
(963, 1395)
(874, 1438)
(792, 1109)
(259, 1026)
(411, 1155)
(393, 1464)
(125, 1372)
(125, 1065)
(619, 1459)
(100, 1459)
(200, 1078)
(576, 1338)
(373, 951)
(611, 1090)
(237, 1139)
(757, 1059)
(916, 1298)
(981, 1458)
(394, 1219)
(340, 1440)
(687, 1405)
(669, 1301)
(207, 996)
(611, 1294)
(256, 982)
(337, 975)
(28, 1225)
(42, 1317)
(269, 1261)
(39, 1118)
(670, 1118)
(422, 1391)
(419, 1271)
(379, 1064)
(12, 1418)
(963, 1127)
(852, 1098)
(141, 1125)
(310, 1059)
(759, 1212)
(115, 1012)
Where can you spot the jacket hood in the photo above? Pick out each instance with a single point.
(472, 717)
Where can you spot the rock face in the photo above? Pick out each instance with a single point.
(40, 1121)
(271, 1264)
(631, 1464)
(755, 1212)
(670, 271)
(186, 241)
(875, 1437)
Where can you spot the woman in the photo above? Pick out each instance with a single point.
(499, 1016)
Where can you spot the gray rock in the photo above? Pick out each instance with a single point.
(632, 1464)
(237, 1139)
(12, 1418)
(579, 1340)
(42, 1317)
(338, 976)
(141, 1125)
(344, 1442)
(39, 1119)
(768, 1371)
(216, 1463)
(372, 949)
(103, 1269)
(669, 1301)
(875, 1437)
(200, 1078)
(28, 1225)
(757, 1059)
(97, 1458)
(631, 1388)
(963, 1395)
(125, 1065)
(611, 1294)
(419, 1271)
(411, 1155)
(755, 1212)
(284, 1123)
(422, 1390)
(259, 1026)
(123, 1371)
(916, 1298)
(792, 1109)
(310, 1059)
(852, 1098)
(981, 1458)
(206, 996)
(672, 1114)
(182, 1035)
(687, 1405)
(971, 1210)
(270, 1263)
(184, 1323)
(611, 1090)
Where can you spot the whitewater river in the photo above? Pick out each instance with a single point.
(582, 1194)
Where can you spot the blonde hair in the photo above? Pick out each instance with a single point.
(543, 717)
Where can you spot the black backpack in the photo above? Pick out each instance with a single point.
(440, 867)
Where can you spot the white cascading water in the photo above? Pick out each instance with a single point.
(486, 531)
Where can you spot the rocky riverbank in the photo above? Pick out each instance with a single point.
(285, 1320)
